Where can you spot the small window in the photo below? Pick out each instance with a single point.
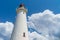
(24, 34)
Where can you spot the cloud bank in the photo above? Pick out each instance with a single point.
(6, 30)
(35, 36)
(46, 23)
(46, 26)
(1, 39)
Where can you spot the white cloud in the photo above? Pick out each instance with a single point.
(6, 28)
(1, 38)
(36, 36)
(46, 23)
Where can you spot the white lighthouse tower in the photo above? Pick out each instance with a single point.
(20, 31)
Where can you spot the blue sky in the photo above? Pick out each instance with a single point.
(8, 7)
(43, 18)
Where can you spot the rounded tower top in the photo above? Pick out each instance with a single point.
(21, 8)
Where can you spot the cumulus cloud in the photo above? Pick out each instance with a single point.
(35, 36)
(46, 23)
(1, 38)
(6, 30)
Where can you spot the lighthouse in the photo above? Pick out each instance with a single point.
(20, 31)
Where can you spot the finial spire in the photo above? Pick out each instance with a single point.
(21, 5)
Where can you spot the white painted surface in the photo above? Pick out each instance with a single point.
(20, 27)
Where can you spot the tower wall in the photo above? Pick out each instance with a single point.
(20, 31)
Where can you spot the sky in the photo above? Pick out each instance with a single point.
(43, 18)
(8, 7)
